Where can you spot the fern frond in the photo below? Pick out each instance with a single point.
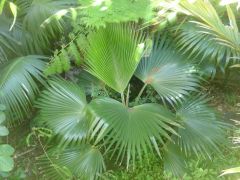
(61, 62)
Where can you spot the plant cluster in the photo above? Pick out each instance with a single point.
(82, 71)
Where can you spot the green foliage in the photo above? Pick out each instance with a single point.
(6, 151)
(114, 53)
(83, 161)
(19, 84)
(231, 98)
(133, 131)
(77, 132)
(202, 47)
(203, 133)
(197, 168)
(100, 13)
(37, 14)
(66, 112)
(61, 62)
(167, 71)
(6, 161)
(3, 129)
(210, 37)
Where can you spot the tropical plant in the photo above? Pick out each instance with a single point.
(19, 84)
(22, 43)
(113, 51)
(208, 36)
(126, 131)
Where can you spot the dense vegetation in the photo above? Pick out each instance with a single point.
(118, 89)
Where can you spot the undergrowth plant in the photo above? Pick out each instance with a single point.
(103, 87)
(88, 132)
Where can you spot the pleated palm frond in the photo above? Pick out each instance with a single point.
(63, 109)
(19, 84)
(202, 47)
(113, 54)
(203, 132)
(210, 23)
(174, 160)
(39, 11)
(81, 162)
(132, 132)
(167, 71)
(43, 21)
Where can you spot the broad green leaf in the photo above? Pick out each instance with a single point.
(63, 109)
(3, 131)
(114, 53)
(6, 163)
(13, 9)
(6, 150)
(203, 132)
(167, 71)
(132, 132)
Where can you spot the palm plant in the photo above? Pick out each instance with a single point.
(87, 132)
(21, 52)
(207, 36)
(19, 84)
(123, 130)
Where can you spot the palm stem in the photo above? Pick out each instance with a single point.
(140, 93)
(123, 98)
(127, 98)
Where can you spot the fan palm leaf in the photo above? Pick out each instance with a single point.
(132, 131)
(167, 71)
(63, 109)
(82, 162)
(203, 133)
(19, 84)
(174, 160)
(113, 54)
